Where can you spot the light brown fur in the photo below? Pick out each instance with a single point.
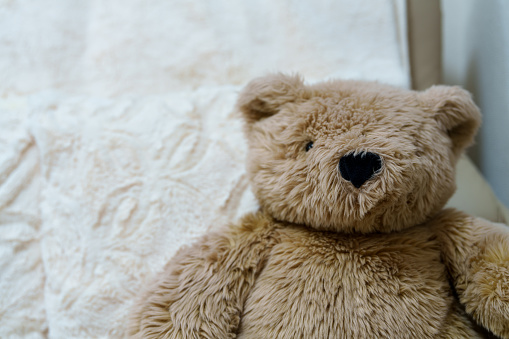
(324, 259)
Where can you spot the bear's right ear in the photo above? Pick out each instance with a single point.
(456, 113)
(264, 96)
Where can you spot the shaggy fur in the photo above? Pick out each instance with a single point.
(323, 259)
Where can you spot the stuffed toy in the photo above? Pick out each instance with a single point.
(351, 239)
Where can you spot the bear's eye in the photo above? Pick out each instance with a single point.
(309, 146)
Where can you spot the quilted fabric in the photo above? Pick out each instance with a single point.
(123, 184)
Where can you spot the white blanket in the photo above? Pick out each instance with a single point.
(118, 142)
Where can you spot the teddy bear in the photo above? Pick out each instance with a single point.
(351, 239)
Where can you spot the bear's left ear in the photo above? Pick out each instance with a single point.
(264, 96)
(455, 112)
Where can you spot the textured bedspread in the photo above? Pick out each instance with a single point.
(97, 195)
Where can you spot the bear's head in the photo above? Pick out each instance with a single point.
(353, 156)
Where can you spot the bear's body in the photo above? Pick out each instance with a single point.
(351, 240)
(319, 284)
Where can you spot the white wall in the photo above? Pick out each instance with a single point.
(476, 56)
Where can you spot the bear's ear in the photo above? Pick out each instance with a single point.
(264, 96)
(455, 112)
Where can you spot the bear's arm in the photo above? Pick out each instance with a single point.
(476, 253)
(202, 290)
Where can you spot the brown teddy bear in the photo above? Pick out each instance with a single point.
(351, 240)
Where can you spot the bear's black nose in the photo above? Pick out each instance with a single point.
(359, 168)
